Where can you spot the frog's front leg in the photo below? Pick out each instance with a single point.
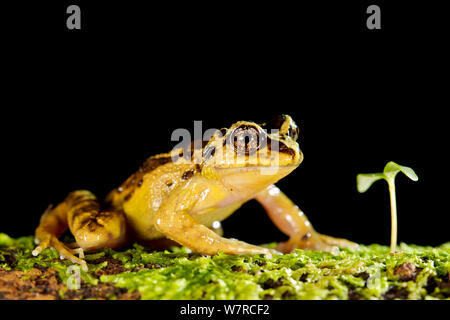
(173, 219)
(293, 222)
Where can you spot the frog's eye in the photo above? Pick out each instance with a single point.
(246, 140)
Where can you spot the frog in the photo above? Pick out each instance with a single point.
(181, 198)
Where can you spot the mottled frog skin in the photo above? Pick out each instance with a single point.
(180, 197)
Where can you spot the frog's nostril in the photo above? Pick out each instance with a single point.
(294, 132)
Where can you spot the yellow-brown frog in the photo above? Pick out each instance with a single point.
(183, 195)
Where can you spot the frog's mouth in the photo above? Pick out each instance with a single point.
(287, 163)
(249, 180)
(248, 168)
(256, 172)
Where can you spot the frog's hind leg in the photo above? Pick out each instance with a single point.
(52, 226)
(91, 227)
(293, 222)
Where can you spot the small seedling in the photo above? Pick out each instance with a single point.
(365, 181)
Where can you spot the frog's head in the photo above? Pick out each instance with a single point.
(252, 155)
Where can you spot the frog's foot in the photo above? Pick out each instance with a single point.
(236, 247)
(309, 241)
(273, 252)
(315, 241)
(50, 241)
(343, 243)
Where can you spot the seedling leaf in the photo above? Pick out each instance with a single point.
(365, 181)
(392, 169)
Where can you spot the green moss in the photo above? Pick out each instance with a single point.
(367, 273)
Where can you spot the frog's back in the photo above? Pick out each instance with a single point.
(143, 193)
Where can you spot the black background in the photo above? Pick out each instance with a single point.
(82, 109)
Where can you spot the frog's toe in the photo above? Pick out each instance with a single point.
(75, 249)
(287, 247)
(311, 241)
(78, 251)
(272, 252)
(64, 251)
(42, 245)
(67, 253)
(343, 243)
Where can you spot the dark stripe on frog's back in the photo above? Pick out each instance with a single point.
(190, 173)
(153, 163)
(126, 190)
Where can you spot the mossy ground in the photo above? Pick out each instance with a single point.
(143, 273)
